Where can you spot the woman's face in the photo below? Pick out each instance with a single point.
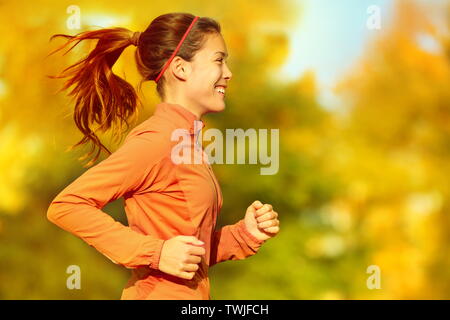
(208, 71)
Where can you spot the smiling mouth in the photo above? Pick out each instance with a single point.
(220, 90)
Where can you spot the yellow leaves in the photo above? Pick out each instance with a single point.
(329, 245)
(236, 42)
(358, 191)
(380, 225)
(307, 84)
(332, 295)
(15, 154)
(272, 47)
(403, 272)
(3, 90)
(339, 214)
(420, 218)
(420, 205)
(299, 139)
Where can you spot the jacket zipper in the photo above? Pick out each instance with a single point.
(215, 189)
(213, 180)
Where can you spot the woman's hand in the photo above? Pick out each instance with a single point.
(180, 256)
(261, 221)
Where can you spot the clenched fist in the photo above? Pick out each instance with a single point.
(261, 221)
(181, 255)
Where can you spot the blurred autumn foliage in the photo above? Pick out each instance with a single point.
(364, 185)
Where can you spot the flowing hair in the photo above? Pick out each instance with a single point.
(103, 98)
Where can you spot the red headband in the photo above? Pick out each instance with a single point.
(176, 50)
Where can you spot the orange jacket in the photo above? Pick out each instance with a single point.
(162, 200)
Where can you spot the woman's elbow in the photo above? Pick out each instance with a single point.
(53, 212)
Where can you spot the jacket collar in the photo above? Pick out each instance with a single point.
(180, 116)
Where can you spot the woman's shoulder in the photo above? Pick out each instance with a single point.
(152, 128)
(152, 136)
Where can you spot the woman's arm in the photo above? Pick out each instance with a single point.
(233, 242)
(238, 241)
(77, 208)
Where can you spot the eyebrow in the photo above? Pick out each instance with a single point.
(223, 53)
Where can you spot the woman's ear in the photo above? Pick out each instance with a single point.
(180, 68)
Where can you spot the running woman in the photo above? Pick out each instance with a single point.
(171, 206)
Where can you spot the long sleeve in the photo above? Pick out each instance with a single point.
(233, 242)
(77, 209)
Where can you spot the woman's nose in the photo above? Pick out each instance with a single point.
(227, 74)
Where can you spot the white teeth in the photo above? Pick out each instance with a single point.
(221, 90)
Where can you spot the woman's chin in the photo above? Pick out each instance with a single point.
(217, 108)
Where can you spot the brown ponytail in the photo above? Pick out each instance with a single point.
(106, 99)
